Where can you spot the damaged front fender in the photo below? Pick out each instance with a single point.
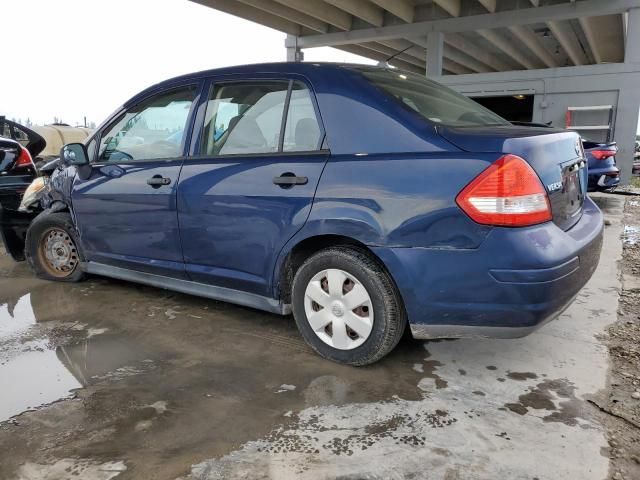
(55, 197)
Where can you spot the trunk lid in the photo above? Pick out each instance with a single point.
(556, 156)
(23, 135)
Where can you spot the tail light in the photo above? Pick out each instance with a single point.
(508, 193)
(24, 159)
(602, 154)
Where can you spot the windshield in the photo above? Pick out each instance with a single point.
(433, 101)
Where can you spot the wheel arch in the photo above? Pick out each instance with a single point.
(293, 258)
(58, 206)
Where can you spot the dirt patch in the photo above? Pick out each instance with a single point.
(522, 376)
(620, 404)
(556, 396)
(429, 369)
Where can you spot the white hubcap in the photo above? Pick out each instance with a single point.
(338, 309)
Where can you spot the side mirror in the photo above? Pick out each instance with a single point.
(74, 154)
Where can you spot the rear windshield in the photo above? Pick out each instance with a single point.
(429, 99)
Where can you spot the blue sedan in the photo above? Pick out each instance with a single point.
(604, 174)
(366, 201)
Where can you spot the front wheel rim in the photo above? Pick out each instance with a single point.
(58, 253)
(338, 309)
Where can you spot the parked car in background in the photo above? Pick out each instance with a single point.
(361, 199)
(604, 175)
(17, 173)
(636, 159)
(17, 170)
(25, 136)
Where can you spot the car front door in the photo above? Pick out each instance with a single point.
(126, 209)
(250, 185)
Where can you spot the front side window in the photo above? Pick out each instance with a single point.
(429, 99)
(244, 118)
(153, 129)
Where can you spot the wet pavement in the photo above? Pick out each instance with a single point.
(107, 379)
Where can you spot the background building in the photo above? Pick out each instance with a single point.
(572, 63)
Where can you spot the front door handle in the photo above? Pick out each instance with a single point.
(158, 180)
(288, 180)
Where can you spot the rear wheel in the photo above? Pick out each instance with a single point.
(52, 247)
(347, 307)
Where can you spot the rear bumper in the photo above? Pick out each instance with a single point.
(603, 178)
(13, 229)
(517, 280)
(11, 196)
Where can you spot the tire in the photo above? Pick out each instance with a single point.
(383, 313)
(56, 230)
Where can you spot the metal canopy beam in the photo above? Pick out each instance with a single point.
(322, 11)
(254, 14)
(531, 41)
(361, 9)
(402, 9)
(459, 42)
(290, 14)
(509, 18)
(590, 33)
(568, 42)
(507, 47)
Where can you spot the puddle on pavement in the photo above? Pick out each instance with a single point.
(34, 376)
(31, 380)
(49, 348)
(151, 365)
(36, 370)
(16, 318)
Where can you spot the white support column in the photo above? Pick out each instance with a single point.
(632, 53)
(435, 49)
(626, 126)
(294, 53)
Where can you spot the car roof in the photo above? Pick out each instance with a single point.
(302, 68)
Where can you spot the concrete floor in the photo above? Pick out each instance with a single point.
(107, 379)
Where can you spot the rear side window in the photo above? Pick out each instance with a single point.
(14, 132)
(429, 99)
(20, 136)
(248, 118)
(302, 132)
(153, 129)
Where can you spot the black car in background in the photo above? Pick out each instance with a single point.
(19, 146)
(17, 171)
(26, 137)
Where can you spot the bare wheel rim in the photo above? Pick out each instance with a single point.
(58, 253)
(339, 309)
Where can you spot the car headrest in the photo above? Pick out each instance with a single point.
(306, 134)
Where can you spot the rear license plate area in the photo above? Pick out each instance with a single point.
(574, 186)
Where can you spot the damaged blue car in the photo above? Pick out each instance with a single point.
(364, 200)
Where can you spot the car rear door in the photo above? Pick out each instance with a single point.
(126, 209)
(250, 184)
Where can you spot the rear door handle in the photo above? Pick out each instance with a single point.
(158, 180)
(289, 179)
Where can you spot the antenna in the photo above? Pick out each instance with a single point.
(398, 53)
